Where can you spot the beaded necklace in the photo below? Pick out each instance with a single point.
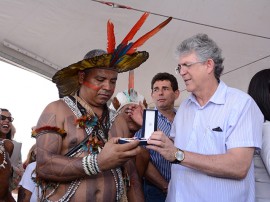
(99, 134)
(89, 127)
(88, 118)
(117, 173)
(70, 192)
(3, 152)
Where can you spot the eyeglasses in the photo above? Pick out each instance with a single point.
(178, 68)
(3, 117)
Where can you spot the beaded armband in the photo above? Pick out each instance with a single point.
(90, 164)
(48, 129)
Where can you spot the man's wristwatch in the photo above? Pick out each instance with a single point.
(179, 156)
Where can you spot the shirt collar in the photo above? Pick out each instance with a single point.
(161, 115)
(219, 96)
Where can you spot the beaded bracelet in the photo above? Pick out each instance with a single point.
(90, 164)
(96, 164)
(85, 166)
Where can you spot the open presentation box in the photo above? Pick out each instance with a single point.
(148, 127)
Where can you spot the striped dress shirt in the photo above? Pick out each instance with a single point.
(229, 120)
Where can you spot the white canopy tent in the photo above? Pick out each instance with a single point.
(46, 35)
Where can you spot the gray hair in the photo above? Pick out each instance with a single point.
(205, 48)
(94, 53)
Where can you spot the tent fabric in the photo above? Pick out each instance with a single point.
(44, 36)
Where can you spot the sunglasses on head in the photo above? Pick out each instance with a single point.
(3, 117)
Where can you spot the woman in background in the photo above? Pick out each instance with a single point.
(7, 131)
(27, 187)
(31, 156)
(259, 90)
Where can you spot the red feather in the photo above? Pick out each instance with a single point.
(110, 37)
(134, 29)
(148, 35)
(130, 81)
(123, 47)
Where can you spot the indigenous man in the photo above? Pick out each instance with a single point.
(77, 161)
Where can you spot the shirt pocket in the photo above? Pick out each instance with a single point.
(213, 142)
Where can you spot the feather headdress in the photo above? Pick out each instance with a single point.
(124, 98)
(121, 59)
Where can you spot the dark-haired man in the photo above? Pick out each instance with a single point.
(165, 92)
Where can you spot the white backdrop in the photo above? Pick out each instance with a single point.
(62, 31)
(25, 94)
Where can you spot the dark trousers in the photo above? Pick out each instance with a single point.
(153, 193)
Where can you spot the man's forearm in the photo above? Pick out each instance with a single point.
(154, 176)
(234, 164)
(60, 168)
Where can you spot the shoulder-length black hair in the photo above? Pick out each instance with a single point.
(259, 90)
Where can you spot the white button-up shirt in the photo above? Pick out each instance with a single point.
(230, 119)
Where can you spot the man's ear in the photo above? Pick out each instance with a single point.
(177, 94)
(210, 65)
(81, 76)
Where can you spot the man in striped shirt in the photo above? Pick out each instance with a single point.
(158, 173)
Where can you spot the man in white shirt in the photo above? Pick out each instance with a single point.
(214, 133)
(27, 185)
